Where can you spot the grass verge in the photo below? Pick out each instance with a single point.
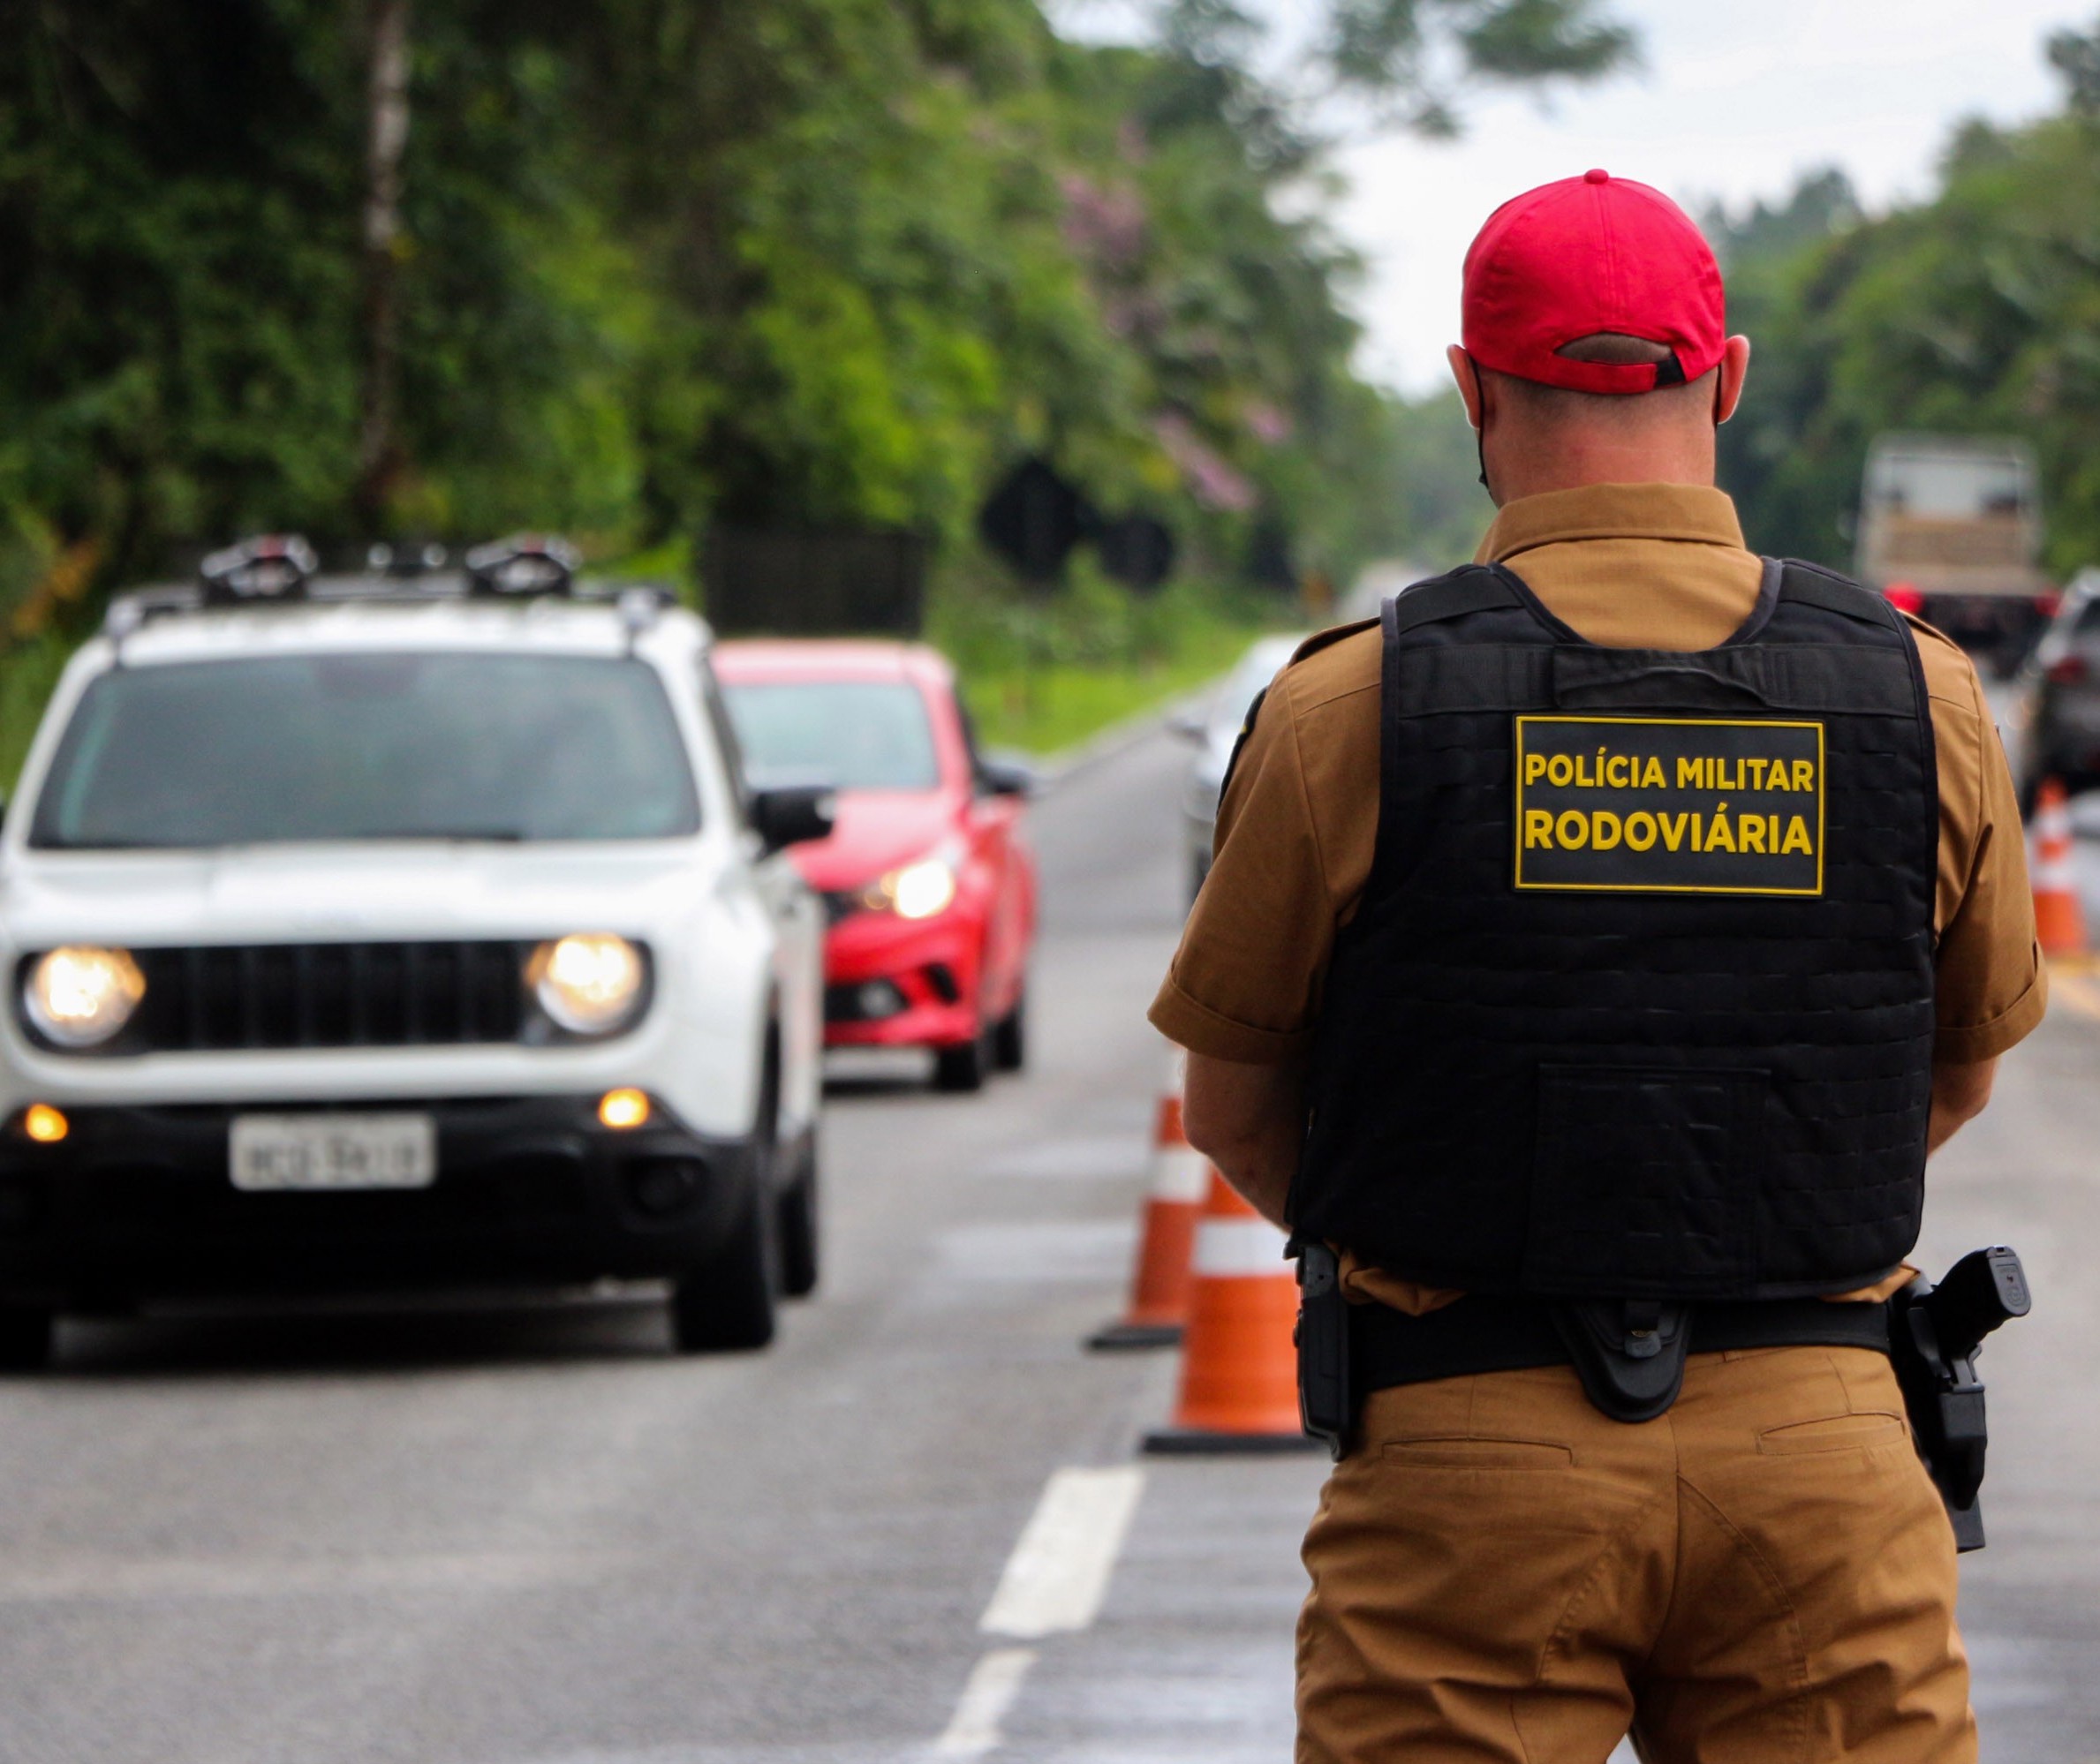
(1049, 709)
(1044, 676)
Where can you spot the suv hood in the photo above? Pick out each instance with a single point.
(349, 891)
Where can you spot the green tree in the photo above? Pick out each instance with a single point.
(1976, 312)
(635, 266)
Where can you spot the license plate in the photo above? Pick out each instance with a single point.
(272, 1152)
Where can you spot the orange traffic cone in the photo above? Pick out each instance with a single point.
(2059, 922)
(1239, 1371)
(1160, 1283)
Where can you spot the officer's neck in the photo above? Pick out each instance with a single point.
(1535, 459)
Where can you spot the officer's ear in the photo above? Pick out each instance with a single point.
(1727, 394)
(1469, 380)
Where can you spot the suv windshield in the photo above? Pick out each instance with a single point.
(853, 734)
(369, 746)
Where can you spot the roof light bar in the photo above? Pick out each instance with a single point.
(524, 564)
(404, 558)
(271, 567)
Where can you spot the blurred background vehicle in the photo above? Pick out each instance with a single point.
(369, 932)
(1215, 730)
(2052, 727)
(1380, 580)
(1950, 528)
(929, 883)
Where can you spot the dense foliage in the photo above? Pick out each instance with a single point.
(664, 262)
(1977, 313)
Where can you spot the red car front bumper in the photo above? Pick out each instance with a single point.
(890, 982)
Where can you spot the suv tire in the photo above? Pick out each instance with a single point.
(725, 1304)
(728, 1302)
(798, 1209)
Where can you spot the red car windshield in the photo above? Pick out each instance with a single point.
(853, 734)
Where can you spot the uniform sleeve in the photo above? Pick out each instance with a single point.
(1992, 987)
(1245, 984)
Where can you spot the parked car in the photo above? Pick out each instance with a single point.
(374, 932)
(2053, 726)
(927, 878)
(1215, 730)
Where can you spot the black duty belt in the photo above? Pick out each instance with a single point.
(1482, 1334)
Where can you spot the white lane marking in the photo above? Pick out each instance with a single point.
(1058, 1574)
(993, 1684)
(1034, 1254)
(1233, 1246)
(1092, 1158)
(105, 1577)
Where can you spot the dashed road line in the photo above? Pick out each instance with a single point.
(1052, 1584)
(975, 1731)
(1058, 1574)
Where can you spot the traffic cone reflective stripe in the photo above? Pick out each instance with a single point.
(1239, 1389)
(2059, 920)
(1159, 1282)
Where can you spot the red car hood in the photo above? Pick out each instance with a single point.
(875, 832)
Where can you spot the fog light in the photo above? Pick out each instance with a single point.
(664, 1188)
(623, 1109)
(44, 1124)
(880, 999)
(19, 1205)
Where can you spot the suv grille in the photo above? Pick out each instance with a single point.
(260, 996)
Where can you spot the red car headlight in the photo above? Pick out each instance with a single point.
(918, 890)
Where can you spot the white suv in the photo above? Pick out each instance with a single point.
(385, 930)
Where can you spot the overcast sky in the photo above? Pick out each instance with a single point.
(1735, 101)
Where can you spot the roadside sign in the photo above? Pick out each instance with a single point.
(1034, 519)
(1139, 552)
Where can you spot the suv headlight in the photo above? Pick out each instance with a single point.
(917, 890)
(589, 984)
(81, 996)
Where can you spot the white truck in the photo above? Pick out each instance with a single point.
(1950, 527)
(387, 929)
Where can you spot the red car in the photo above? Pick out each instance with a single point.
(929, 883)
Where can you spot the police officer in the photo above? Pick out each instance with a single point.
(1596, 947)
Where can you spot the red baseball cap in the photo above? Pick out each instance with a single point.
(1589, 254)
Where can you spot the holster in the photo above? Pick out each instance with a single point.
(1935, 1335)
(1629, 1354)
(1326, 1404)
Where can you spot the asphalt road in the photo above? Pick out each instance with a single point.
(489, 1536)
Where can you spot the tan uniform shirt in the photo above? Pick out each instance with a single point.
(1654, 566)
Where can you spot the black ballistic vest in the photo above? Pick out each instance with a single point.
(1638, 1001)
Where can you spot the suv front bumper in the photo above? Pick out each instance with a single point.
(138, 1201)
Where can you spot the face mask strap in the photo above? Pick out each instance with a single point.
(1480, 432)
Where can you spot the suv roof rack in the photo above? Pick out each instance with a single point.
(274, 569)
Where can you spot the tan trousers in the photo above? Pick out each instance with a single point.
(1763, 1576)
